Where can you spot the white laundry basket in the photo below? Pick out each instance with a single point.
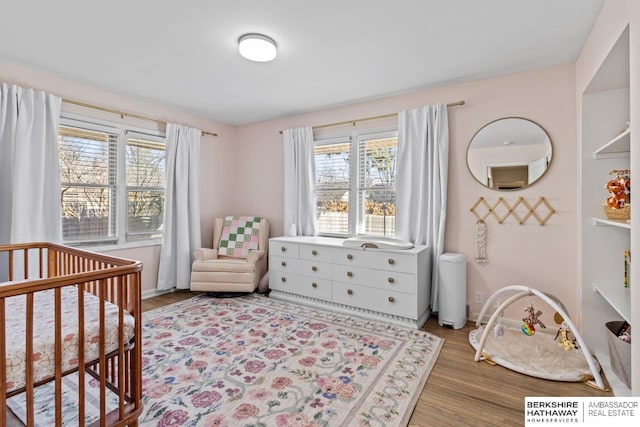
(452, 290)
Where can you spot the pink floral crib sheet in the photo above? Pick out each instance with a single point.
(44, 333)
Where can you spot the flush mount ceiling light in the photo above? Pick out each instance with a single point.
(257, 47)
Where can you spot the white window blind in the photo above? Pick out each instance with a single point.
(333, 180)
(356, 184)
(112, 182)
(377, 185)
(145, 171)
(88, 177)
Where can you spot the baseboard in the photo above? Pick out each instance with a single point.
(350, 310)
(512, 323)
(150, 293)
(473, 317)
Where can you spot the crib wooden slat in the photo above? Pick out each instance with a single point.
(127, 367)
(136, 310)
(52, 264)
(3, 367)
(58, 354)
(26, 263)
(10, 266)
(121, 285)
(103, 360)
(29, 358)
(81, 361)
(40, 258)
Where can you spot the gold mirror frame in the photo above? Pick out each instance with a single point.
(516, 133)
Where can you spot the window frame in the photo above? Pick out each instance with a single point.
(120, 240)
(355, 217)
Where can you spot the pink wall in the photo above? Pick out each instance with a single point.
(542, 257)
(216, 151)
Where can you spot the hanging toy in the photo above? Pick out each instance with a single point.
(565, 341)
(528, 329)
(529, 322)
(558, 318)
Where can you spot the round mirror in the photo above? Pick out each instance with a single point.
(509, 153)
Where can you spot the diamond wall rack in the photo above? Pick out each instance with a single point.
(527, 210)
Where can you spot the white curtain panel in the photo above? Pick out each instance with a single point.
(30, 207)
(181, 207)
(421, 181)
(299, 182)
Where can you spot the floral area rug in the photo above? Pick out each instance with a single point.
(255, 361)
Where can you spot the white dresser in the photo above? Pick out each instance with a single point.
(381, 284)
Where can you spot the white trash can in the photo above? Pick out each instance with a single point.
(452, 290)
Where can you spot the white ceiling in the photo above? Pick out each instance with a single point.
(184, 53)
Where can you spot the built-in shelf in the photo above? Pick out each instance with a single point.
(619, 298)
(620, 146)
(612, 223)
(607, 102)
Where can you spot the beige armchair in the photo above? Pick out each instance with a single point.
(212, 272)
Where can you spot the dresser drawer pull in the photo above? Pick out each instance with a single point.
(349, 257)
(314, 285)
(284, 279)
(392, 261)
(283, 248)
(284, 264)
(391, 280)
(314, 268)
(314, 252)
(349, 291)
(392, 299)
(350, 274)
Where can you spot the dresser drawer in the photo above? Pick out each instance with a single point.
(301, 285)
(286, 249)
(395, 303)
(393, 261)
(315, 253)
(388, 280)
(321, 270)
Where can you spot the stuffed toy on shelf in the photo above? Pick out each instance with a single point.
(618, 204)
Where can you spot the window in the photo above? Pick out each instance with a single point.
(332, 161)
(356, 184)
(377, 185)
(112, 183)
(145, 187)
(88, 174)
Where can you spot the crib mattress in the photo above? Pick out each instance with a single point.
(44, 333)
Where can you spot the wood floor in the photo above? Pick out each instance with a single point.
(460, 391)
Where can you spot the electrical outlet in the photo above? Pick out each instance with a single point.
(479, 297)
